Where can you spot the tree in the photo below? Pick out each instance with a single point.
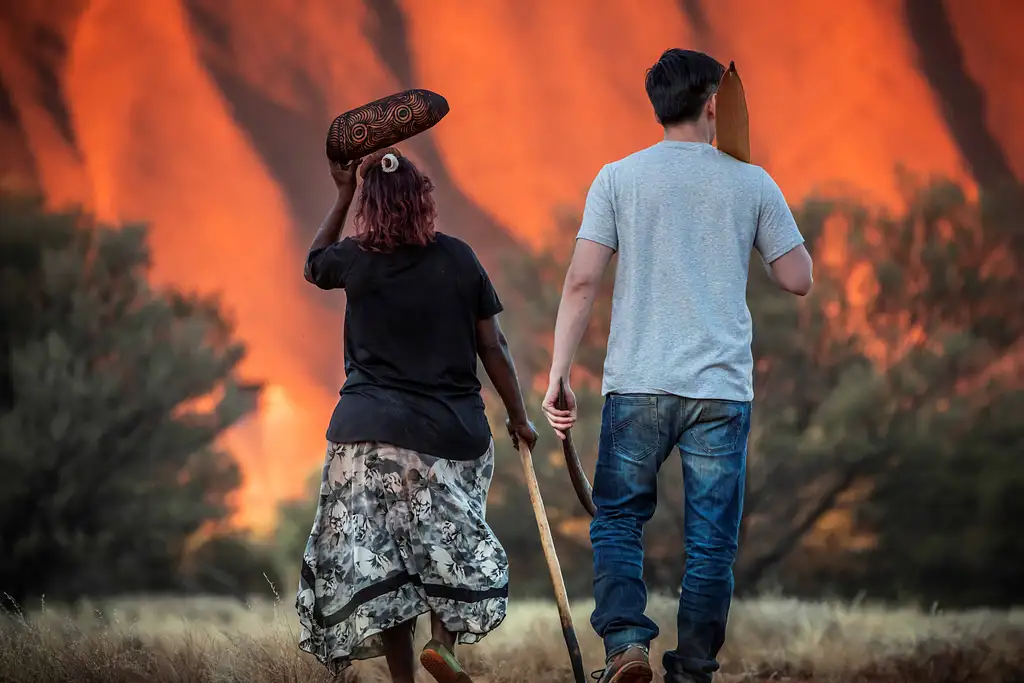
(884, 450)
(294, 522)
(946, 508)
(881, 376)
(894, 359)
(113, 395)
(233, 563)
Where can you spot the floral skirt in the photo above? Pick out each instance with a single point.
(398, 534)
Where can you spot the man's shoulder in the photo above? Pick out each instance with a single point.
(658, 155)
(650, 167)
(742, 169)
(633, 159)
(613, 172)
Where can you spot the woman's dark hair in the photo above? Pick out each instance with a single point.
(680, 84)
(394, 208)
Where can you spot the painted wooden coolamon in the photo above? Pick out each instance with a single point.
(383, 123)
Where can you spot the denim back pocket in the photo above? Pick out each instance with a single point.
(721, 426)
(634, 425)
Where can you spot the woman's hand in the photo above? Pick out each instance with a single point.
(560, 420)
(522, 431)
(345, 175)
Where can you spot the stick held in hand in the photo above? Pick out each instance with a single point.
(580, 483)
(555, 569)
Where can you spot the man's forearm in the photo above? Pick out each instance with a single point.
(330, 229)
(498, 365)
(573, 317)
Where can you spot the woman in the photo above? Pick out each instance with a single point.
(400, 530)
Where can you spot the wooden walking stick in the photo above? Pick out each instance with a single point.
(548, 543)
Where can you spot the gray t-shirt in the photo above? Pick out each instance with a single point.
(683, 218)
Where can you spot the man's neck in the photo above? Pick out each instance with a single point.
(687, 132)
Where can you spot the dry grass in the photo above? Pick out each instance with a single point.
(213, 640)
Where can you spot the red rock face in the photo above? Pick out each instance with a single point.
(207, 119)
(987, 32)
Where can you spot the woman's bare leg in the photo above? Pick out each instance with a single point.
(438, 656)
(399, 652)
(442, 635)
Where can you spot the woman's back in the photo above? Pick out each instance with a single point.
(411, 318)
(410, 345)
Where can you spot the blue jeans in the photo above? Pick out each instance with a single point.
(638, 432)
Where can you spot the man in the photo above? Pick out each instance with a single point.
(683, 218)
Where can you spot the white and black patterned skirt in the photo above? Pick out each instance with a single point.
(397, 534)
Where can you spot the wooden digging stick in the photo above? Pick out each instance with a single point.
(548, 543)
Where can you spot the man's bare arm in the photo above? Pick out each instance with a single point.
(793, 271)
(582, 281)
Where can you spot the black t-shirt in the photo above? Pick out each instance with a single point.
(410, 345)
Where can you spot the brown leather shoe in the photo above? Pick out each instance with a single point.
(630, 666)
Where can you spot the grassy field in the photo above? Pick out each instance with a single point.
(215, 640)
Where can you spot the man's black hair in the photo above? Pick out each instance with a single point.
(680, 83)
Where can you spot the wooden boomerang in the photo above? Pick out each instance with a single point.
(548, 544)
(383, 123)
(733, 124)
(572, 461)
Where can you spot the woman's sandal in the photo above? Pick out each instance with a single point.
(442, 665)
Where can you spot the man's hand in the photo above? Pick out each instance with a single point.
(345, 175)
(524, 431)
(561, 420)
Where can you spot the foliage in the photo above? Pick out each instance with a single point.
(884, 455)
(233, 563)
(113, 395)
(916, 322)
(892, 386)
(294, 522)
(885, 451)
